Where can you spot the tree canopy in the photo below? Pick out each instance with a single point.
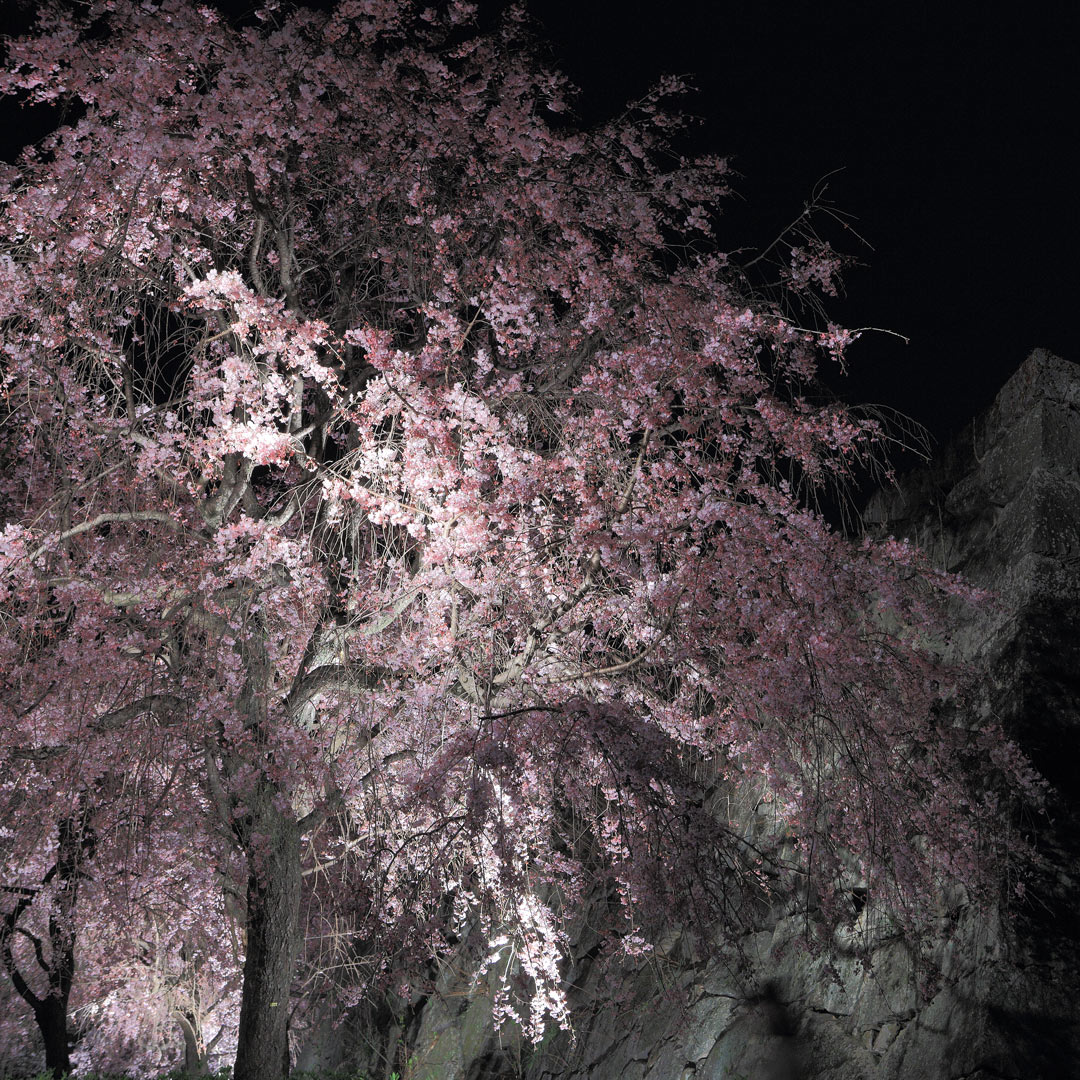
(406, 534)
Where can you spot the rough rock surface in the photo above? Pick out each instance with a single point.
(1001, 504)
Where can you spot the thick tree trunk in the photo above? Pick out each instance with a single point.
(51, 1017)
(273, 912)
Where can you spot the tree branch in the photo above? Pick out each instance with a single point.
(112, 721)
(541, 626)
(105, 519)
(39, 952)
(626, 665)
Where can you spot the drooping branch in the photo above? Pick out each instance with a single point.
(512, 672)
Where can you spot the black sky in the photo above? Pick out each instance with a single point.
(955, 125)
(955, 129)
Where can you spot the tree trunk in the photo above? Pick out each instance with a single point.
(273, 913)
(51, 1017)
(75, 841)
(195, 1057)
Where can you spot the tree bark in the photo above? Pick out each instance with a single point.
(273, 913)
(75, 841)
(51, 1018)
(195, 1057)
(50, 1011)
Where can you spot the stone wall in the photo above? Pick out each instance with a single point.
(1001, 504)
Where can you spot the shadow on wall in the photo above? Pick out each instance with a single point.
(780, 1051)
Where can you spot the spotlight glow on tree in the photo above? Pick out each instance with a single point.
(398, 521)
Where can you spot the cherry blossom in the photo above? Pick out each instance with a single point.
(398, 543)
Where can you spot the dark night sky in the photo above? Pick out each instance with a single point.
(952, 124)
(953, 127)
